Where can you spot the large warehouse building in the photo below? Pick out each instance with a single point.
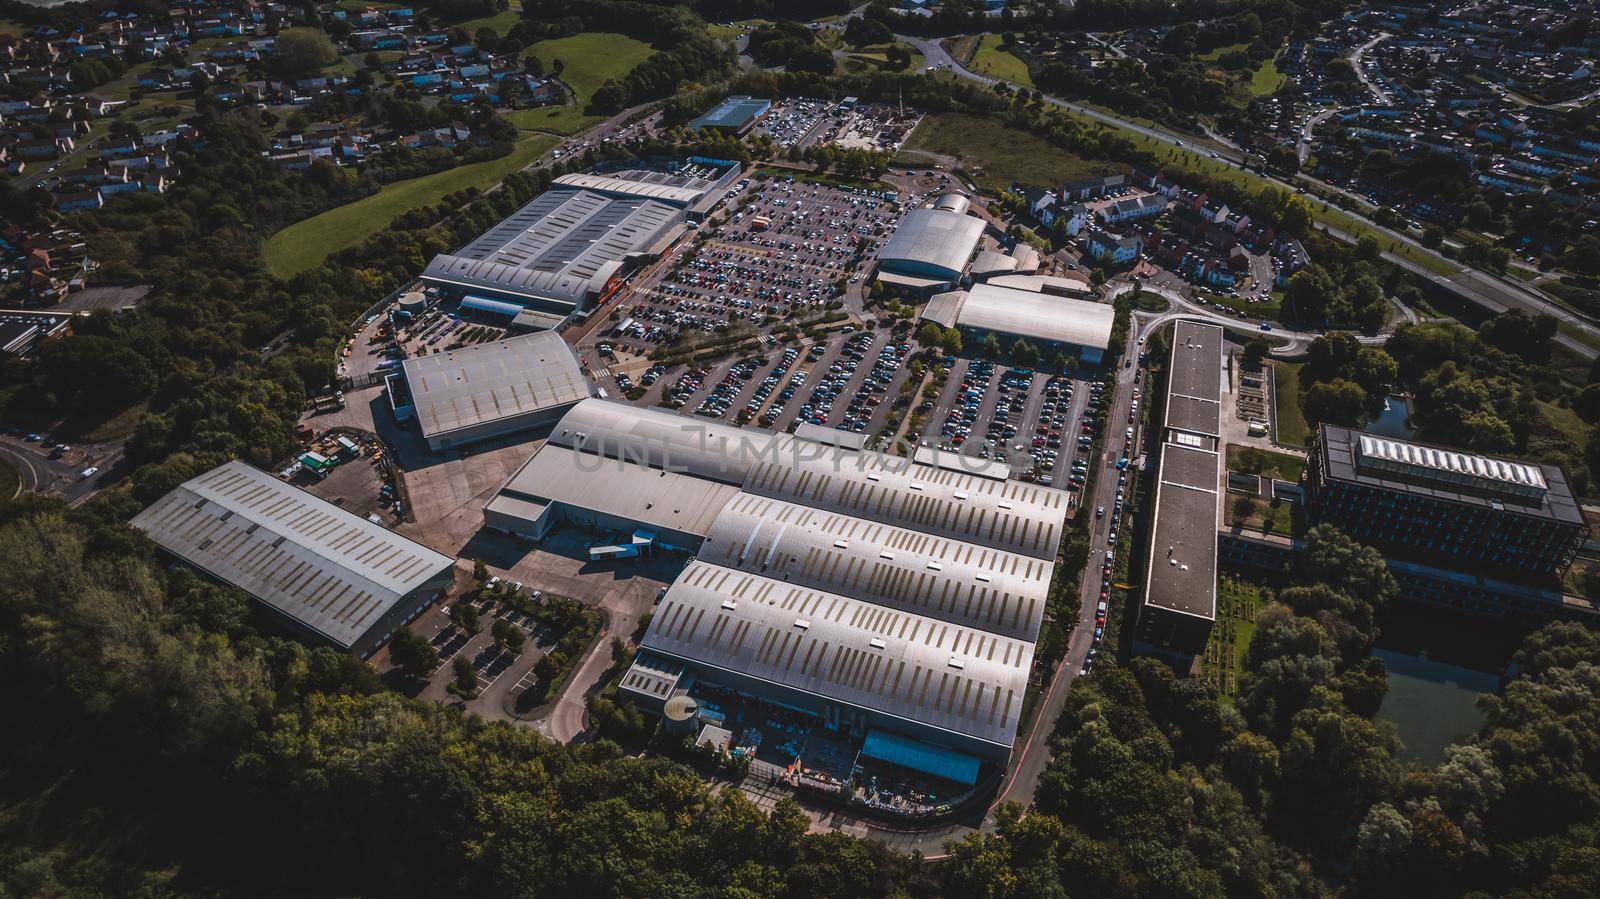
(331, 574)
(734, 115)
(489, 390)
(881, 595)
(1052, 323)
(569, 247)
(932, 248)
(1180, 584)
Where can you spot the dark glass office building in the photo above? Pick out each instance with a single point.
(1493, 517)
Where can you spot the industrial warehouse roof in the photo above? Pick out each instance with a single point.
(673, 190)
(1524, 488)
(496, 381)
(1025, 313)
(907, 570)
(919, 669)
(660, 439)
(932, 241)
(561, 247)
(613, 486)
(332, 571)
(1009, 515)
(1061, 285)
(1194, 379)
(733, 112)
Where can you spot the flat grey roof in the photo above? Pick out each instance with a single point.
(914, 572)
(616, 487)
(919, 669)
(332, 571)
(1341, 452)
(1182, 574)
(1194, 379)
(495, 381)
(933, 238)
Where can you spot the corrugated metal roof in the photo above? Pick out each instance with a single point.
(333, 571)
(561, 246)
(673, 194)
(1025, 313)
(1010, 515)
(919, 669)
(493, 381)
(911, 571)
(934, 238)
(732, 112)
(655, 437)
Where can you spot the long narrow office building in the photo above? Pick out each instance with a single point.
(1179, 604)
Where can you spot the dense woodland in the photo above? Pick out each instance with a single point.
(165, 745)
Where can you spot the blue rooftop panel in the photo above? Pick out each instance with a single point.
(920, 756)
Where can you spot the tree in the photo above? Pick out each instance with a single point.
(1064, 363)
(1255, 350)
(465, 682)
(508, 635)
(1024, 353)
(1330, 557)
(1309, 293)
(480, 571)
(991, 347)
(303, 52)
(412, 653)
(1337, 402)
(465, 614)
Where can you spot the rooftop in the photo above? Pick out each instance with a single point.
(919, 669)
(893, 567)
(333, 571)
(1183, 557)
(566, 243)
(493, 381)
(732, 112)
(1025, 313)
(1525, 488)
(1194, 379)
(932, 241)
(618, 487)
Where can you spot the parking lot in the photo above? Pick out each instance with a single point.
(784, 252)
(1033, 421)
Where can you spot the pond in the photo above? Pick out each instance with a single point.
(1391, 422)
(1431, 703)
(1439, 663)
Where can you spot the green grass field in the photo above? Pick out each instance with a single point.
(1251, 460)
(306, 243)
(990, 60)
(1292, 427)
(1266, 80)
(876, 57)
(590, 58)
(1218, 53)
(502, 23)
(997, 156)
(587, 59)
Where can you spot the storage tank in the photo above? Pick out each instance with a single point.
(681, 716)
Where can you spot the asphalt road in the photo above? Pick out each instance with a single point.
(1489, 291)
